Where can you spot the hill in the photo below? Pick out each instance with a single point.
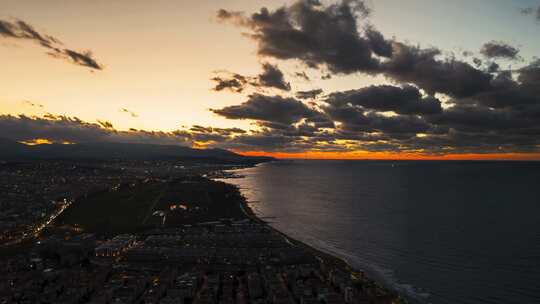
(11, 150)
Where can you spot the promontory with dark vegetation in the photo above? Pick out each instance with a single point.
(147, 225)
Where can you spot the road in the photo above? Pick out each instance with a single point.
(37, 230)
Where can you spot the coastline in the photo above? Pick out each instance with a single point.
(328, 258)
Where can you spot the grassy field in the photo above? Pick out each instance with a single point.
(131, 209)
(114, 212)
(203, 200)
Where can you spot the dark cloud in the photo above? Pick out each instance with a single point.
(222, 131)
(72, 129)
(302, 75)
(527, 11)
(476, 119)
(7, 29)
(311, 94)
(105, 124)
(411, 64)
(379, 45)
(22, 30)
(272, 77)
(498, 49)
(131, 113)
(489, 109)
(84, 59)
(312, 33)
(402, 100)
(275, 109)
(33, 104)
(493, 67)
(262, 141)
(354, 119)
(326, 76)
(209, 135)
(521, 95)
(531, 11)
(327, 37)
(230, 81)
(530, 74)
(477, 62)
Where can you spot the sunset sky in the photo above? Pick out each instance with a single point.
(329, 79)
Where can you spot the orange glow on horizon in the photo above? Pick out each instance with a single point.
(43, 141)
(394, 156)
(37, 141)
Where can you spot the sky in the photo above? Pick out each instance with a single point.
(329, 79)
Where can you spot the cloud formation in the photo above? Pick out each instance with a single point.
(24, 31)
(271, 77)
(57, 128)
(312, 33)
(327, 37)
(401, 100)
(498, 49)
(311, 94)
(230, 81)
(131, 113)
(531, 11)
(32, 104)
(487, 108)
(275, 109)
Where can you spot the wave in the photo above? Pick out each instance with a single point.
(384, 276)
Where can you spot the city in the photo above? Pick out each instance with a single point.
(156, 236)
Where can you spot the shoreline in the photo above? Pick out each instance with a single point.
(328, 258)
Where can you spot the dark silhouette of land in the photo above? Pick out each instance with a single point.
(12, 150)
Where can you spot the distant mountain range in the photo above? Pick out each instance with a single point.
(11, 150)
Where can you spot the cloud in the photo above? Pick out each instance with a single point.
(230, 81)
(311, 94)
(24, 31)
(58, 129)
(275, 109)
(522, 94)
(302, 75)
(412, 64)
(487, 108)
(354, 119)
(379, 45)
(531, 11)
(498, 49)
(84, 59)
(222, 131)
(312, 33)
(33, 104)
(105, 124)
(470, 118)
(131, 113)
(72, 129)
(327, 37)
(527, 11)
(271, 77)
(401, 100)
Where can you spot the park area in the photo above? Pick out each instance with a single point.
(133, 208)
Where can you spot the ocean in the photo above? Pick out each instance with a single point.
(438, 232)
